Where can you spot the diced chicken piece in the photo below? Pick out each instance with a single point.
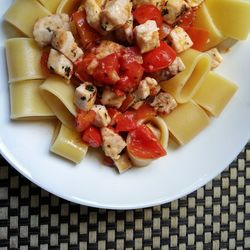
(102, 118)
(60, 64)
(85, 96)
(215, 56)
(157, 3)
(176, 67)
(45, 27)
(147, 36)
(194, 3)
(164, 103)
(123, 163)
(93, 10)
(174, 9)
(113, 143)
(109, 98)
(153, 86)
(106, 48)
(65, 42)
(115, 14)
(180, 39)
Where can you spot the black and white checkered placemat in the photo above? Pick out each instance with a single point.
(216, 216)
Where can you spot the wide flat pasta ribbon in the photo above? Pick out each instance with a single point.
(60, 98)
(184, 85)
(68, 6)
(50, 5)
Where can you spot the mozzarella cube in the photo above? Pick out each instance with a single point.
(180, 39)
(109, 98)
(113, 143)
(85, 96)
(60, 64)
(65, 42)
(215, 56)
(115, 14)
(157, 3)
(102, 118)
(147, 36)
(164, 103)
(176, 67)
(174, 9)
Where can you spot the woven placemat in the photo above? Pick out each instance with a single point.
(216, 216)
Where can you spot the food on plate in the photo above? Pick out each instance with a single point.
(120, 76)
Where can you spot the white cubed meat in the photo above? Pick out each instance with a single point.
(164, 103)
(45, 27)
(60, 64)
(157, 3)
(194, 3)
(176, 67)
(113, 143)
(109, 98)
(85, 96)
(147, 36)
(174, 9)
(65, 42)
(115, 14)
(102, 118)
(180, 39)
(215, 56)
(143, 90)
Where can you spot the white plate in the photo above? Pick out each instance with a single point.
(26, 146)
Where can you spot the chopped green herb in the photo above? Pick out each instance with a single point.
(49, 30)
(164, 12)
(67, 71)
(83, 98)
(90, 88)
(104, 26)
(51, 68)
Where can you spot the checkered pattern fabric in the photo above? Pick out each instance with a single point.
(217, 216)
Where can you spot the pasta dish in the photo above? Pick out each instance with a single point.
(121, 76)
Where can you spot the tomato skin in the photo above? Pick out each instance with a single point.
(92, 136)
(125, 122)
(145, 112)
(199, 37)
(147, 12)
(81, 67)
(187, 19)
(84, 120)
(113, 113)
(107, 70)
(44, 61)
(127, 103)
(144, 144)
(86, 33)
(158, 58)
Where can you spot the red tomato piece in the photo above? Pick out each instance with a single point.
(147, 12)
(81, 67)
(144, 112)
(131, 54)
(164, 31)
(86, 33)
(107, 70)
(92, 136)
(125, 122)
(144, 144)
(127, 103)
(187, 19)
(113, 113)
(84, 120)
(158, 58)
(199, 37)
(44, 61)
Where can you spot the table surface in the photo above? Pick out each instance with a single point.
(217, 216)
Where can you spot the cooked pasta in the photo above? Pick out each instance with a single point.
(26, 102)
(185, 122)
(68, 144)
(68, 6)
(24, 13)
(59, 96)
(215, 93)
(184, 85)
(50, 5)
(23, 59)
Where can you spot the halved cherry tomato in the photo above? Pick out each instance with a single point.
(125, 122)
(44, 61)
(127, 103)
(81, 67)
(164, 31)
(92, 136)
(86, 33)
(199, 37)
(158, 58)
(107, 70)
(84, 120)
(113, 113)
(144, 144)
(187, 19)
(147, 12)
(144, 112)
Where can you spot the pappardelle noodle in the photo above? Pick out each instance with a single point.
(121, 75)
